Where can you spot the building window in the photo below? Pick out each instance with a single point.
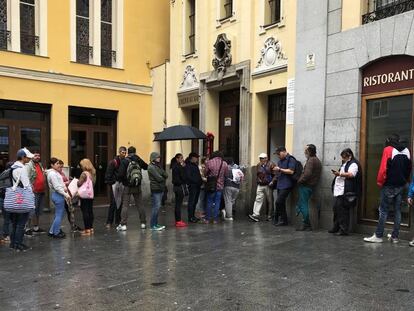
(272, 12)
(28, 39)
(4, 33)
(379, 109)
(380, 9)
(226, 9)
(189, 27)
(83, 48)
(108, 55)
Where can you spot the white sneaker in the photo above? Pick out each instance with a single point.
(223, 213)
(228, 219)
(411, 243)
(373, 239)
(121, 228)
(391, 239)
(143, 226)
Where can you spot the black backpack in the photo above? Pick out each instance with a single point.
(298, 170)
(6, 179)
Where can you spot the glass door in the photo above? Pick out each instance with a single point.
(100, 160)
(78, 150)
(384, 117)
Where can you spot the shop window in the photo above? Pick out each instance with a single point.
(272, 12)
(226, 9)
(388, 116)
(4, 33)
(84, 50)
(190, 27)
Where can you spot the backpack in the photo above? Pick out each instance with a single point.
(6, 179)
(298, 170)
(134, 174)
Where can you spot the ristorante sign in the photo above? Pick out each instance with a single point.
(388, 74)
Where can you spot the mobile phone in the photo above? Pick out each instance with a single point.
(333, 171)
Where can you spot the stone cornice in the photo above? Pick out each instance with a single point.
(27, 74)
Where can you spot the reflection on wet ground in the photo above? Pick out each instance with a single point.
(230, 266)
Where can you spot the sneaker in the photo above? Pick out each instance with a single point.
(28, 233)
(205, 221)
(108, 226)
(161, 226)
(194, 220)
(6, 239)
(373, 239)
(143, 226)
(60, 235)
(223, 213)
(180, 224)
(38, 231)
(22, 248)
(121, 228)
(411, 243)
(269, 218)
(228, 219)
(392, 240)
(157, 228)
(254, 218)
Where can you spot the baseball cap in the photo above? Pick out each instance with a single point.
(262, 155)
(24, 152)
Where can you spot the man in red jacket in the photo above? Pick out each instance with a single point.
(393, 175)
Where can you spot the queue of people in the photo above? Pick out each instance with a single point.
(212, 186)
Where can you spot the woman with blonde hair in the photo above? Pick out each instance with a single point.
(86, 194)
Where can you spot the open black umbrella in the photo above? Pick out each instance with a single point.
(180, 132)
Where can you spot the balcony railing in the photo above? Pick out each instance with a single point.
(389, 9)
(5, 38)
(29, 43)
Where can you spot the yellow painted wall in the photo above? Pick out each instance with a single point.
(352, 11)
(146, 44)
(247, 40)
(134, 127)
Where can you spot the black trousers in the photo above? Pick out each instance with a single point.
(114, 213)
(86, 206)
(341, 213)
(179, 198)
(282, 195)
(193, 195)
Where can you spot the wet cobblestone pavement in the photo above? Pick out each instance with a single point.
(230, 266)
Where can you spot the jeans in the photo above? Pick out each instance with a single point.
(179, 198)
(59, 202)
(18, 221)
(156, 199)
(390, 197)
(341, 213)
(114, 213)
(86, 206)
(302, 207)
(282, 195)
(136, 194)
(230, 195)
(263, 193)
(201, 204)
(213, 204)
(193, 195)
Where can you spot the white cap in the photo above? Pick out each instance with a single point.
(262, 155)
(24, 152)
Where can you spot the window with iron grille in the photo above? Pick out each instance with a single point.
(107, 54)
(273, 12)
(380, 9)
(28, 39)
(191, 35)
(83, 48)
(3, 24)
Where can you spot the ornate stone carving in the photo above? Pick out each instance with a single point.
(271, 56)
(222, 56)
(189, 78)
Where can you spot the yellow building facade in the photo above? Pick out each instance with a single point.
(231, 73)
(75, 77)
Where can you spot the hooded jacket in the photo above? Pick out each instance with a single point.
(193, 174)
(156, 174)
(395, 167)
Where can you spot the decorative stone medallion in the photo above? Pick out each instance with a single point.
(222, 56)
(189, 78)
(271, 56)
